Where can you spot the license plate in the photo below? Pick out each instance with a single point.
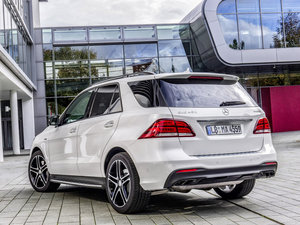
(224, 129)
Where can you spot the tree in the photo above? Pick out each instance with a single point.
(77, 66)
(290, 25)
(235, 45)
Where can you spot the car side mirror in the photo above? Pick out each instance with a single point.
(53, 121)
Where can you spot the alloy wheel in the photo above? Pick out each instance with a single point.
(39, 174)
(119, 185)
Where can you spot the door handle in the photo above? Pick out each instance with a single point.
(109, 124)
(73, 130)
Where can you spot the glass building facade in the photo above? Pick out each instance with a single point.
(253, 39)
(14, 36)
(260, 24)
(74, 58)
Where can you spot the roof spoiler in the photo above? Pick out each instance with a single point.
(207, 76)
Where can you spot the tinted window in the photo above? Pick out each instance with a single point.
(227, 6)
(270, 5)
(173, 48)
(140, 50)
(272, 30)
(229, 28)
(77, 109)
(250, 31)
(70, 35)
(107, 100)
(139, 32)
(147, 93)
(190, 94)
(105, 34)
(291, 5)
(106, 52)
(247, 6)
(173, 32)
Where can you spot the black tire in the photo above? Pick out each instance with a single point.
(39, 175)
(239, 191)
(123, 188)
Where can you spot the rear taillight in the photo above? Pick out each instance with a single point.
(262, 126)
(168, 128)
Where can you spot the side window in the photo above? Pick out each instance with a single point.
(78, 108)
(107, 100)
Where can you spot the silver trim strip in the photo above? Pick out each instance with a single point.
(205, 186)
(225, 120)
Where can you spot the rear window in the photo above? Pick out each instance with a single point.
(184, 93)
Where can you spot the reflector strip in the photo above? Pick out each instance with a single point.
(206, 78)
(186, 171)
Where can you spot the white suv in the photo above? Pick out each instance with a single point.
(141, 135)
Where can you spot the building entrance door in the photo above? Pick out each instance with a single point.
(6, 125)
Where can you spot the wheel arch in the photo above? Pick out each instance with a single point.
(35, 149)
(111, 153)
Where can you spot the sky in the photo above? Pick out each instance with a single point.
(113, 12)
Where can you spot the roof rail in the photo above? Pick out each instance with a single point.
(124, 76)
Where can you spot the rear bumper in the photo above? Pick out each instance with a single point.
(207, 177)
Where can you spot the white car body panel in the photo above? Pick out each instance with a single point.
(84, 152)
(93, 135)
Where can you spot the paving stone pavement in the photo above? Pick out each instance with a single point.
(273, 201)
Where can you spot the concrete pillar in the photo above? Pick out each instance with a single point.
(28, 123)
(1, 138)
(15, 122)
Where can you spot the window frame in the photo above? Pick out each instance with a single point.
(94, 97)
(63, 115)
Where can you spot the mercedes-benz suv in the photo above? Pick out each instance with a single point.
(141, 135)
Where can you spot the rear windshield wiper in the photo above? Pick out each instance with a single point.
(232, 103)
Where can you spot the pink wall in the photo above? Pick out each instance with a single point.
(282, 107)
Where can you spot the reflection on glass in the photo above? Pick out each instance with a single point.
(15, 50)
(247, 6)
(270, 5)
(294, 78)
(47, 36)
(139, 65)
(70, 35)
(48, 70)
(107, 51)
(49, 88)
(291, 5)
(50, 102)
(250, 31)
(71, 69)
(266, 80)
(173, 32)
(140, 50)
(198, 65)
(97, 34)
(174, 65)
(71, 87)
(62, 104)
(292, 29)
(47, 52)
(72, 53)
(1, 25)
(250, 80)
(174, 48)
(227, 6)
(272, 30)
(106, 68)
(139, 32)
(228, 25)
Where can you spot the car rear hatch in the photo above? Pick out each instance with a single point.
(220, 112)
